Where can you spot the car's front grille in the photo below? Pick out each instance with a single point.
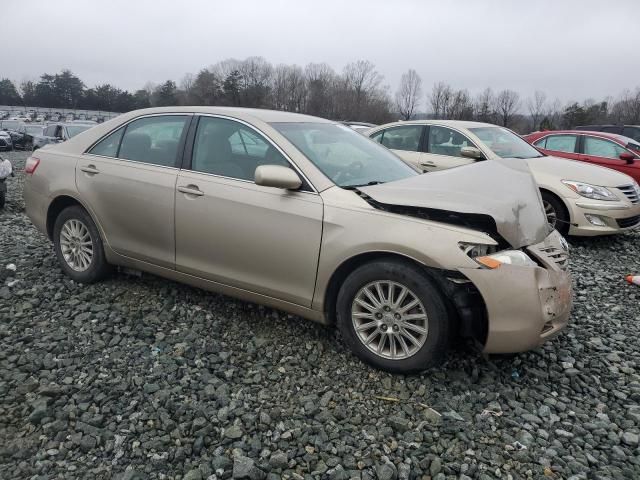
(629, 222)
(631, 193)
(556, 255)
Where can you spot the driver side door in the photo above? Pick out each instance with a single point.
(229, 230)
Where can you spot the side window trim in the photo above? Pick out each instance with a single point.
(181, 144)
(188, 159)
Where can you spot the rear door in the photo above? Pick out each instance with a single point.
(128, 181)
(230, 230)
(606, 153)
(405, 141)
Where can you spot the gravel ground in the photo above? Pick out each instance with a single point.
(145, 378)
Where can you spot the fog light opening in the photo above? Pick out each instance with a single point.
(595, 220)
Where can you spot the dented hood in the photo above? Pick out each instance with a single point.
(498, 190)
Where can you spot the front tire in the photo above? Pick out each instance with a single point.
(78, 246)
(557, 214)
(392, 316)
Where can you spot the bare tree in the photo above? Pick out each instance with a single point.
(320, 80)
(459, 106)
(439, 99)
(507, 104)
(485, 106)
(360, 80)
(536, 106)
(409, 94)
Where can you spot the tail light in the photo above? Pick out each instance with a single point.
(31, 165)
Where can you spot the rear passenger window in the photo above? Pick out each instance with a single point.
(562, 143)
(108, 146)
(402, 138)
(230, 149)
(153, 140)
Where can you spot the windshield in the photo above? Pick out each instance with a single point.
(345, 156)
(73, 130)
(505, 143)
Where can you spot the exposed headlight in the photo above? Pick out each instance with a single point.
(482, 254)
(593, 192)
(476, 249)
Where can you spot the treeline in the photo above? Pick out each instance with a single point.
(357, 92)
(537, 112)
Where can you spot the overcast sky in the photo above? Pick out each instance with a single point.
(570, 49)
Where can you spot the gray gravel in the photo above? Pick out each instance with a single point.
(144, 378)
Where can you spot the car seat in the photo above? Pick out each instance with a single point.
(136, 146)
(215, 157)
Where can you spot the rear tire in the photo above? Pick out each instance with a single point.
(386, 331)
(557, 214)
(78, 246)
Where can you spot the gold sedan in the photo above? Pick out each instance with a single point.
(308, 216)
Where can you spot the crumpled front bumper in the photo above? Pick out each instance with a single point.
(526, 305)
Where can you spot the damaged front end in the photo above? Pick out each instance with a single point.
(497, 197)
(519, 294)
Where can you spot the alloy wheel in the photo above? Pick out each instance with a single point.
(76, 245)
(389, 320)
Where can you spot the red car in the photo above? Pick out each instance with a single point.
(599, 148)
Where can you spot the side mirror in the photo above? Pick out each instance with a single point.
(627, 157)
(472, 152)
(277, 176)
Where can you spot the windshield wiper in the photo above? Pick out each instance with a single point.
(373, 182)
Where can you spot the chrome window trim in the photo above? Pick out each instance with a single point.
(137, 162)
(262, 135)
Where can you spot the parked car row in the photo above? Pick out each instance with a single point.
(579, 199)
(41, 117)
(29, 136)
(306, 215)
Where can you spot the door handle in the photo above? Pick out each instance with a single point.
(90, 169)
(191, 190)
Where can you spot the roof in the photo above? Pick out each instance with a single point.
(450, 123)
(621, 139)
(268, 116)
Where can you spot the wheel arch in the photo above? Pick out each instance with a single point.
(548, 191)
(58, 205)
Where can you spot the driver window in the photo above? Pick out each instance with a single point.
(599, 147)
(445, 141)
(230, 149)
